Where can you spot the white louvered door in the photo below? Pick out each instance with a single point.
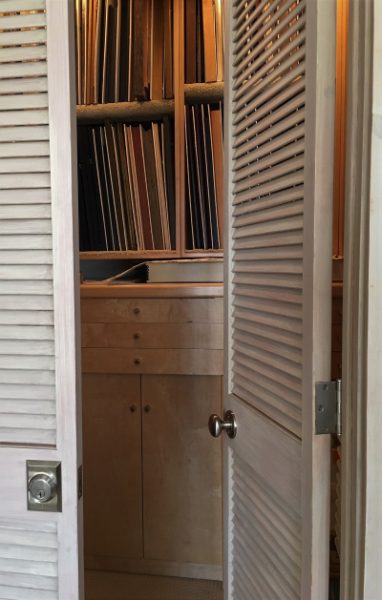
(39, 551)
(279, 157)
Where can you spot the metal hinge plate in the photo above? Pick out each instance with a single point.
(328, 407)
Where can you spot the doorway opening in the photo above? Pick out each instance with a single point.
(151, 150)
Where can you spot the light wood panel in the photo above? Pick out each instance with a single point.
(149, 310)
(181, 470)
(152, 335)
(119, 586)
(151, 290)
(168, 360)
(112, 466)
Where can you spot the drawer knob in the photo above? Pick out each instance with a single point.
(136, 336)
(137, 361)
(136, 310)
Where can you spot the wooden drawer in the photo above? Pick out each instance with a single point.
(152, 310)
(162, 361)
(152, 335)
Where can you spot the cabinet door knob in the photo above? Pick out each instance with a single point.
(216, 425)
(133, 408)
(147, 408)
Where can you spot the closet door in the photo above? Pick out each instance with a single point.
(279, 152)
(39, 549)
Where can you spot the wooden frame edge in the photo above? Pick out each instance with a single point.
(355, 322)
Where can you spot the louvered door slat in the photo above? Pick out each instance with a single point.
(19, 53)
(24, 134)
(24, 211)
(24, 332)
(21, 117)
(24, 149)
(12, 257)
(32, 36)
(23, 85)
(22, 20)
(23, 69)
(25, 165)
(26, 196)
(27, 377)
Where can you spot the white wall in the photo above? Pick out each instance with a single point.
(373, 549)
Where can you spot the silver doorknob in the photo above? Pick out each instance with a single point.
(42, 487)
(216, 425)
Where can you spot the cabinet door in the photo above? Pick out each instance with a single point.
(112, 469)
(182, 496)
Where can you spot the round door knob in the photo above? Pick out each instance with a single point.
(42, 487)
(216, 425)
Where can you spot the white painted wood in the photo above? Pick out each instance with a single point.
(26, 196)
(63, 141)
(21, 134)
(373, 524)
(26, 148)
(40, 553)
(22, 53)
(361, 521)
(279, 140)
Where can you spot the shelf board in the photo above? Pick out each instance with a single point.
(128, 254)
(124, 111)
(203, 93)
(201, 253)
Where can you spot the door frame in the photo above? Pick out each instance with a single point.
(361, 479)
(66, 290)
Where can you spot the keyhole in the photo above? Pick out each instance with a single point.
(41, 495)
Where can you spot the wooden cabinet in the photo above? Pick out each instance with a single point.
(112, 466)
(152, 375)
(181, 469)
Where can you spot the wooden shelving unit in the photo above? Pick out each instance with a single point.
(152, 110)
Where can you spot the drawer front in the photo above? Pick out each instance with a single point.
(162, 361)
(152, 310)
(152, 335)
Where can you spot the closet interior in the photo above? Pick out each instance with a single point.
(150, 175)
